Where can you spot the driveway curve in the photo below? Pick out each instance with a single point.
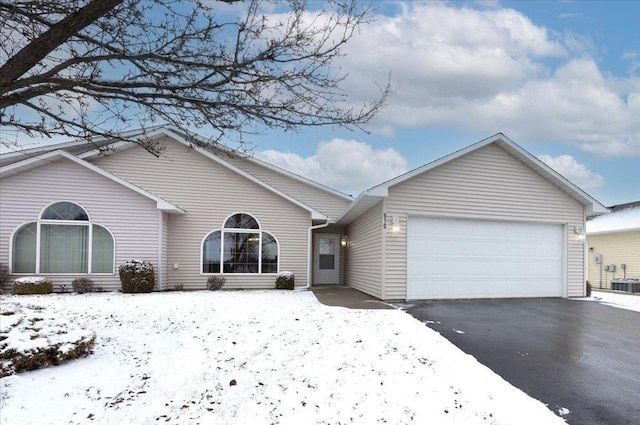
(580, 358)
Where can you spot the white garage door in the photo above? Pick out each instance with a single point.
(453, 258)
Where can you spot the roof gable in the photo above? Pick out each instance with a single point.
(174, 135)
(47, 157)
(375, 194)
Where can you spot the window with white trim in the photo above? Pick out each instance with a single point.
(63, 241)
(240, 247)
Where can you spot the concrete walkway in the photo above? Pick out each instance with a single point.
(343, 296)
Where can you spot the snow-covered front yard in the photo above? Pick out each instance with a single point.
(257, 357)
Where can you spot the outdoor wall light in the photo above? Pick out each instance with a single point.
(579, 230)
(344, 240)
(395, 223)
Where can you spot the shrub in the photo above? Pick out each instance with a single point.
(215, 282)
(588, 289)
(178, 287)
(82, 285)
(4, 274)
(32, 337)
(137, 276)
(285, 280)
(32, 285)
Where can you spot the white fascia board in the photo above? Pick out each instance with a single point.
(605, 232)
(10, 169)
(592, 205)
(161, 204)
(379, 191)
(114, 147)
(361, 205)
(299, 178)
(173, 134)
(176, 132)
(77, 142)
(433, 164)
(315, 214)
(122, 145)
(44, 149)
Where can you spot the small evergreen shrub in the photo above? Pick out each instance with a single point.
(31, 286)
(215, 283)
(178, 287)
(82, 285)
(285, 280)
(137, 276)
(4, 274)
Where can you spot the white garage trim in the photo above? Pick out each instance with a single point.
(462, 258)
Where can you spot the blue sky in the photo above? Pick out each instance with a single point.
(562, 79)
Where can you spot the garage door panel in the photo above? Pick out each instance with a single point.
(452, 258)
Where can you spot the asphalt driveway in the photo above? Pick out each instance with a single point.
(570, 354)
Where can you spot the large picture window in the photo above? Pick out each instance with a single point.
(240, 247)
(69, 243)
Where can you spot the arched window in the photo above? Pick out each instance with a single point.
(240, 247)
(69, 243)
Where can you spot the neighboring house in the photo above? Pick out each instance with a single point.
(614, 245)
(490, 220)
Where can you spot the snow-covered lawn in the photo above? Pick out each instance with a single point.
(617, 299)
(257, 357)
(32, 337)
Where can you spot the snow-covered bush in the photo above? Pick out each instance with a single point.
(137, 276)
(32, 285)
(32, 338)
(285, 280)
(215, 282)
(82, 285)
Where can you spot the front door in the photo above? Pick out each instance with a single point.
(327, 259)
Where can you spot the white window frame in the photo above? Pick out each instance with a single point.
(222, 231)
(39, 222)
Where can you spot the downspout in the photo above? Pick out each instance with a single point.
(160, 274)
(309, 249)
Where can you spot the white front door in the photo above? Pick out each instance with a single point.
(327, 259)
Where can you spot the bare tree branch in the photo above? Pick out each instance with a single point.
(80, 68)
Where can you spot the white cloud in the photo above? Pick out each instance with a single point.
(493, 70)
(573, 170)
(347, 165)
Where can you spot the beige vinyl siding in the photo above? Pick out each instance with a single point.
(364, 259)
(210, 192)
(318, 199)
(485, 184)
(131, 218)
(616, 248)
